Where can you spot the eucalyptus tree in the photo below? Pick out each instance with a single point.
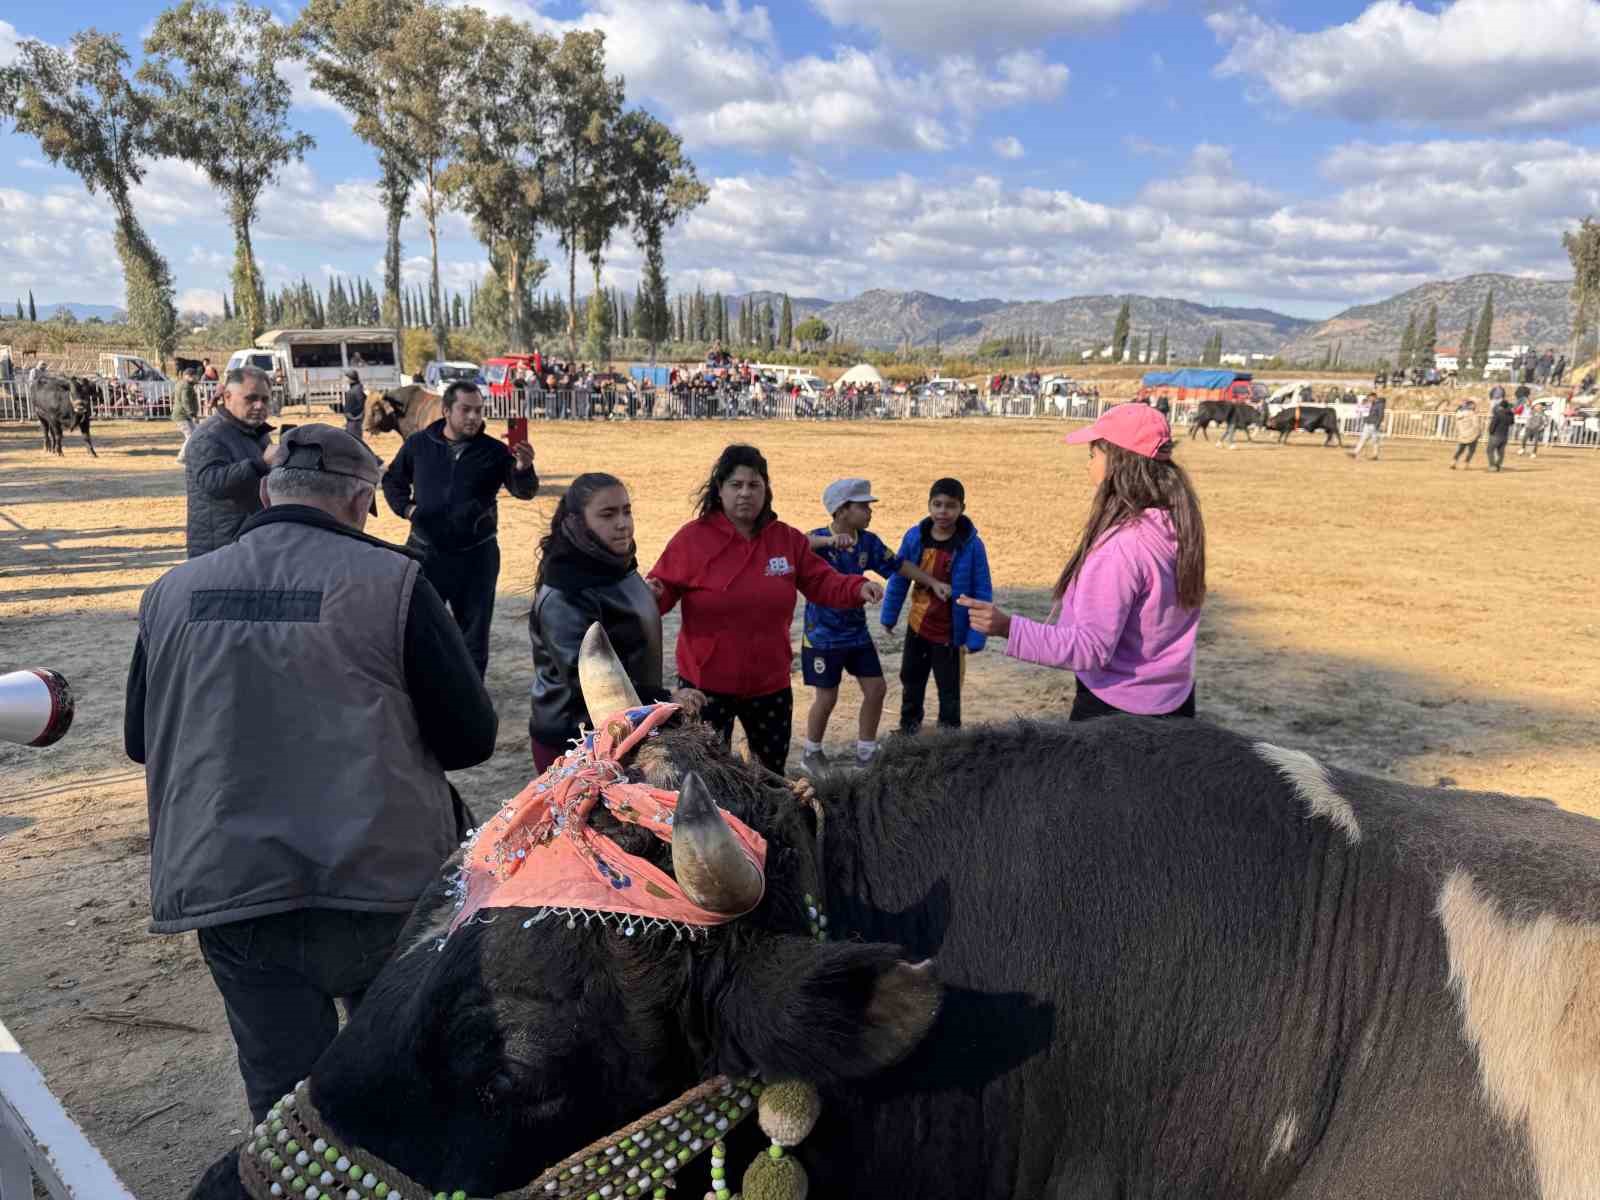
(346, 44)
(89, 116)
(503, 149)
(225, 109)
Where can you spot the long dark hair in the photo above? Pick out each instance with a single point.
(573, 501)
(709, 498)
(1132, 484)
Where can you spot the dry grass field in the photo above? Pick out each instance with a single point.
(1397, 618)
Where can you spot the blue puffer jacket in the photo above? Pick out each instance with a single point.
(969, 576)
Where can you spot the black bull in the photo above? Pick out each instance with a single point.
(63, 404)
(1226, 413)
(1168, 962)
(1311, 420)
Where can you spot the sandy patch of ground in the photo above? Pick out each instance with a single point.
(1396, 617)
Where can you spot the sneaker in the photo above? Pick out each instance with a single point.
(861, 764)
(815, 763)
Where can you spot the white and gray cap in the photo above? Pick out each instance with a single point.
(846, 491)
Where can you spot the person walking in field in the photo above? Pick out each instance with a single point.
(1501, 421)
(1371, 428)
(185, 408)
(939, 635)
(1469, 427)
(836, 639)
(1533, 430)
(355, 405)
(1128, 602)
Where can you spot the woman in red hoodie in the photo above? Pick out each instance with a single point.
(737, 570)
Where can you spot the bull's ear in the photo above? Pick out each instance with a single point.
(796, 1009)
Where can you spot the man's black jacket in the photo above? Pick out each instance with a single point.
(454, 493)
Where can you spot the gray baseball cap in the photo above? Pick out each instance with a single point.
(324, 448)
(846, 491)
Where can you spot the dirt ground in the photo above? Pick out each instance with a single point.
(1396, 617)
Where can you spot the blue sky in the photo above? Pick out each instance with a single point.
(1301, 156)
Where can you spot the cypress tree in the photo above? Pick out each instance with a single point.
(1427, 347)
(227, 310)
(1163, 346)
(1485, 331)
(1119, 332)
(33, 313)
(1408, 342)
(1468, 338)
(1149, 345)
(786, 324)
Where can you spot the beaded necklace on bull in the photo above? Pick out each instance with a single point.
(291, 1153)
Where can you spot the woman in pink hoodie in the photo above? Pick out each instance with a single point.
(1128, 601)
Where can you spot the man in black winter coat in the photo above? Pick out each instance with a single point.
(224, 462)
(445, 481)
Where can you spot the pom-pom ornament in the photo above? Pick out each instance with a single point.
(788, 1111)
(775, 1178)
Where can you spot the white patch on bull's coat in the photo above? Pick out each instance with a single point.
(1313, 786)
(1529, 994)
(1283, 1135)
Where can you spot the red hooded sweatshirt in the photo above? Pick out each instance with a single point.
(738, 601)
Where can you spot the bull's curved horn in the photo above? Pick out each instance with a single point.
(605, 685)
(710, 865)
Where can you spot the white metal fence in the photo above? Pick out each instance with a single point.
(153, 401)
(38, 1140)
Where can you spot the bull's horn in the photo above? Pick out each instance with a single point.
(711, 867)
(605, 685)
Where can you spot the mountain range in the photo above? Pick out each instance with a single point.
(1530, 311)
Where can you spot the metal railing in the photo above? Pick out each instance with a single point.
(153, 401)
(39, 1141)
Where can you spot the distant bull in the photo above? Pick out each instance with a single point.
(1311, 420)
(1119, 958)
(406, 409)
(64, 403)
(1231, 415)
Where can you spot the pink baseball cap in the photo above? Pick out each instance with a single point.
(1135, 427)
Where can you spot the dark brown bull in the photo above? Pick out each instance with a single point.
(404, 409)
(64, 403)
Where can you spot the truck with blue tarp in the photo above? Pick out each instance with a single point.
(1193, 384)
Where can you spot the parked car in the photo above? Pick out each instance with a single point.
(437, 376)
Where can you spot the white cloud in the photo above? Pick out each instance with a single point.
(726, 82)
(1210, 186)
(33, 164)
(1008, 147)
(303, 95)
(8, 43)
(936, 25)
(1473, 64)
(1143, 147)
(204, 300)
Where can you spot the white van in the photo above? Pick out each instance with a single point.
(313, 361)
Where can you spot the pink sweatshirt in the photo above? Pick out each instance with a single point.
(1120, 627)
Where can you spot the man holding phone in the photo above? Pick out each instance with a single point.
(445, 481)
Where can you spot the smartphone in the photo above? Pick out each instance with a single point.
(516, 432)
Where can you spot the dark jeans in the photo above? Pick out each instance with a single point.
(768, 722)
(946, 664)
(1495, 452)
(1086, 706)
(466, 582)
(1467, 448)
(279, 976)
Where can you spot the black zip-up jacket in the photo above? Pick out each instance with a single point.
(454, 494)
(355, 402)
(1501, 421)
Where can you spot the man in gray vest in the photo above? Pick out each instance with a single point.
(224, 460)
(296, 698)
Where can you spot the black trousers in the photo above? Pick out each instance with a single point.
(279, 976)
(1496, 452)
(946, 664)
(1086, 706)
(466, 583)
(768, 722)
(1467, 448)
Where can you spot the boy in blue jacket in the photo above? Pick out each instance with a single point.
(939, 633)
